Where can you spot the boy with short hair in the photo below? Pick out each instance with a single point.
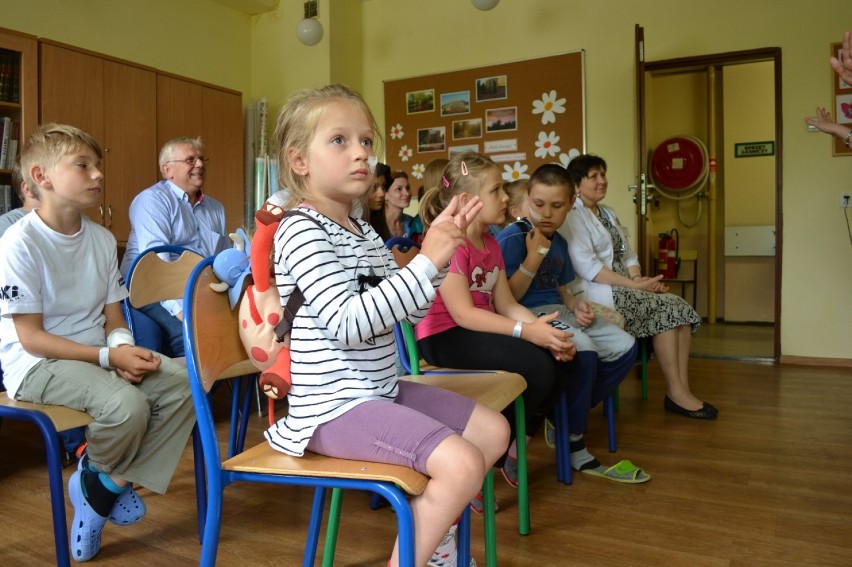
(539, 270)
(63, 340)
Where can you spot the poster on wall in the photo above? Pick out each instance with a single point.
(842, 101)
(521, 114)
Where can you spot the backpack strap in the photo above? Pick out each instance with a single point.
(297, 299)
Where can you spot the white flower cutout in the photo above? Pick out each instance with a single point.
(396, 132)
(565, 159)
(548, 106)
(546, 145)
(515, 172)
(405, 153)
(417, 170)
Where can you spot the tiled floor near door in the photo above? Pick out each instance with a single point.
(736, 341)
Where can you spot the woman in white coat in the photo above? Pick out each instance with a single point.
(610, 274)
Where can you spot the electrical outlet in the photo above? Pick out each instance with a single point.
(845, 200)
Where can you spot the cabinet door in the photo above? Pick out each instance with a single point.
(223, 141)
(130, 140)
(179, 109)
(72, 92)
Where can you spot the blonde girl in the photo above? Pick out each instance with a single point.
(345, 400)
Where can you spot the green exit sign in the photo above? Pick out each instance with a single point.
(754, 149)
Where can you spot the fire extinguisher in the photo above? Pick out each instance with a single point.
(667, 254)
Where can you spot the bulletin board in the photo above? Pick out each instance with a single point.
(842, 97)
(521, 114)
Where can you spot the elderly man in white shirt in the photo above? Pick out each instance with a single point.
(176, 212)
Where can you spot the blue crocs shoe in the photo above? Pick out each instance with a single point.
(87, 525)
(128, 509)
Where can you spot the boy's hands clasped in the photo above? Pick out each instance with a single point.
(447, 231)
(133, 363)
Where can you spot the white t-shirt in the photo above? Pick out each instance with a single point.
(68, 279)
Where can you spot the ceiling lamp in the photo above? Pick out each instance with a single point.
(309, 30)
(484, 4)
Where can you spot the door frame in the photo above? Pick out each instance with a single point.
(700, 62)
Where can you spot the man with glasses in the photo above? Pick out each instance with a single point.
(175, 211)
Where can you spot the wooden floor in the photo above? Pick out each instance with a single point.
(734, 341)
(769, 483)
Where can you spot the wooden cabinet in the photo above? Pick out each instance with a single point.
(23, 107)
(187, 108)
(116, 103)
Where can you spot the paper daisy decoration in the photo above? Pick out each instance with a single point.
(546, 145)
(565, 159)
(515, 172)
(548, 107)
(417, 170)
(405, 153)
(396, 132)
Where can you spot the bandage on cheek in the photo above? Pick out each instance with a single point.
(371, 162)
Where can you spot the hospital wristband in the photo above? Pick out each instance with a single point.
(526, 272)
(103, 357)
(516, 332)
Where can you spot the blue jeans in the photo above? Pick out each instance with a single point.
(172, 329)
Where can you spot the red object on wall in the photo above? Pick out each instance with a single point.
(679, 164)
(667, 255)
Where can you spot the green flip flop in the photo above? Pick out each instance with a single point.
(622, 471)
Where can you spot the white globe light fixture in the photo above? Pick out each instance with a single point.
(484, 5)
(309, 30)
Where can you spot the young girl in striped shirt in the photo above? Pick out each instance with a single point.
(345, 400)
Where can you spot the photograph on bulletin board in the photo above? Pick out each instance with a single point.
(521, 114)
(842, 102)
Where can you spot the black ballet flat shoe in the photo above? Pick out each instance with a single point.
(707, 411)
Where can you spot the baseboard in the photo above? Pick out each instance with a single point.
(816, 361)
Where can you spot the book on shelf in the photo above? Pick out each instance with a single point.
(5, 75)
(4, 142)
(5, 199)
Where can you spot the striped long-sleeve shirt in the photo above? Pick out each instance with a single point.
(342, 343)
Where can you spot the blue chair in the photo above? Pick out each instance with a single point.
(214, 352)
(50, 420)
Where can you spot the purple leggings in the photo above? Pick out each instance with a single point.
(404, 432)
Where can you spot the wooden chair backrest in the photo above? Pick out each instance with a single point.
(220, 351)
(154, 279)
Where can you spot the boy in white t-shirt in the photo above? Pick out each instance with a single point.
(64, 341)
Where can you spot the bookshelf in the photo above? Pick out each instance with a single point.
(18, 97)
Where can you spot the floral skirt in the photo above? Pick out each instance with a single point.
(647, 314)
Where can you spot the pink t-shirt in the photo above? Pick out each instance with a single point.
(481, 268)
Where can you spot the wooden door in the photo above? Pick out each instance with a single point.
(640, 188)
(179, 109)
(72, 92)
(130, 140)
(223, 143)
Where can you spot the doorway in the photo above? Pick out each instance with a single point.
(727, 223)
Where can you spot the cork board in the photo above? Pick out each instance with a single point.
(521, 114)
(842, 99)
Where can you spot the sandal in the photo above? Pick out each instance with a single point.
(622, 471)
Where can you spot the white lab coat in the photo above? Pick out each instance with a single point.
(591, 249)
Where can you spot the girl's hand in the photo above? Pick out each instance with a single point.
(447, 231)
(133, 363)
(556, 341)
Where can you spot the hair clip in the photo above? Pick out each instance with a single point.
(464, 168)
(445, 181)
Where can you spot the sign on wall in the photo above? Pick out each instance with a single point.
(521, 115)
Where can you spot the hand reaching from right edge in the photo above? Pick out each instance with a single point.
(447, 231)
(843, 65)
(824, 123)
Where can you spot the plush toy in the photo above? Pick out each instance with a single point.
(232, 267)
(261, 312)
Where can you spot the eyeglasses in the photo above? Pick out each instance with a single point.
(190, 161)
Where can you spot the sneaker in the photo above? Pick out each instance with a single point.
(128, 509)
(549, 433)
(87, 526)
(510, 471)
(477, 505)
(447, 553)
